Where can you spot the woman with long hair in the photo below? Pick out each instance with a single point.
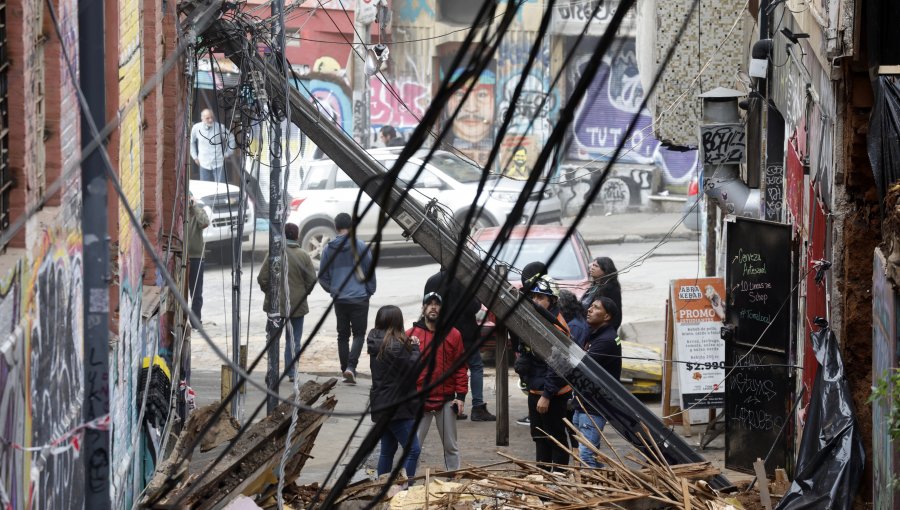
(604, 283)
(392, 357)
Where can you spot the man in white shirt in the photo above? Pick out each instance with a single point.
(211, 145)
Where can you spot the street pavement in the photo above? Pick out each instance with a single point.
(632, 240)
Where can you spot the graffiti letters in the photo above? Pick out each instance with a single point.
(387, 110)
(613, 98)
(723, 144)
(774, 192)
(56, 379)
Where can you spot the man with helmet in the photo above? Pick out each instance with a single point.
(548, 393)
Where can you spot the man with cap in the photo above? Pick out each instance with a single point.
(548, 393)
(453, 293)
(445, 385)
(301, 279)
(346, 272)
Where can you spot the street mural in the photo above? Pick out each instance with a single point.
(54, 315)
(389, 110)
(614, 96)
(12, 392)
(125, 355)
(41, 380)
(332, 97)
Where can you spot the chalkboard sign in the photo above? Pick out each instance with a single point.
(758, 395)
(758, 281)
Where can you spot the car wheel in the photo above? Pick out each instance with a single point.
(315, 239)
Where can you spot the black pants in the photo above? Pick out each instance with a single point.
(351, 319)
(546, 451)
(195, 286)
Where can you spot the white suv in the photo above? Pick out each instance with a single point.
(453, 181)
(220, 202)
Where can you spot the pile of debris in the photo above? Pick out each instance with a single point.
(640, 479)
(252, 461)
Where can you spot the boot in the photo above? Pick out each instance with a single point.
(480, 413)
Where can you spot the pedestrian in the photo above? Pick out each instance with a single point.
(346, 272)
(393, 357)
(211, 145)
(301, 280)
(453, 294)
(531, 271)
(390, 138)
(574, 314)
(198, 221)
(604, 282)
(548, 393)
(604, 347)
(447, 396)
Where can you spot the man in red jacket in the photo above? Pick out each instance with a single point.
(446, 398)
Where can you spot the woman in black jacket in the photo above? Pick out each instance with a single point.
(605, 283)
(392, 357)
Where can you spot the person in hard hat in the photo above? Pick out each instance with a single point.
(548, 393)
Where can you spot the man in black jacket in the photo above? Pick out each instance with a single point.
(465, 322)
(604, 347)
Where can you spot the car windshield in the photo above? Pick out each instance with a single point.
(457, 168)
(317, 177)
(564, 267)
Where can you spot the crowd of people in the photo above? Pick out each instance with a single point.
(424, 373)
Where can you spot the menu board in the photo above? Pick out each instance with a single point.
(758, 395)
(697, 314)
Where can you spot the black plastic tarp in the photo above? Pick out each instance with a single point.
(884, 133)
(831, 458)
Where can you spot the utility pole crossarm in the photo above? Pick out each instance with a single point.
(622, 409)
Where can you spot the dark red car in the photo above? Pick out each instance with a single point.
(569, 269)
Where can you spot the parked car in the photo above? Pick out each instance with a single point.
(220, 202)
(570, 270)
(451, 180)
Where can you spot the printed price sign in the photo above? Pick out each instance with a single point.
(698, 310)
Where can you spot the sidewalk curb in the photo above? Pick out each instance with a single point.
(634, 238)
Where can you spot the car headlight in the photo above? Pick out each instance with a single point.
(505, 196)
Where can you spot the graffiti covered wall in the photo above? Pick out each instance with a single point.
(613, 98)
(127, 352)
(41, 381)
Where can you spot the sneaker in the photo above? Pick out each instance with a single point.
(291, 378)
(524, 421)
(349, 376)
(480, 413)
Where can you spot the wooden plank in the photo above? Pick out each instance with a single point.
(686, 494)
(760, 467)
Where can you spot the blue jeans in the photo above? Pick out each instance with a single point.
(212, 174)
(295, 341)
(476, 378)
(399, 433)
(592, 433)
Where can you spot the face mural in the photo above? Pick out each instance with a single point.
(474, 123)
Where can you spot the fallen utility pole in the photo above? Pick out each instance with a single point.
(622, 409)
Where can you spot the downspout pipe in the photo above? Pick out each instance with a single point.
(723, 141)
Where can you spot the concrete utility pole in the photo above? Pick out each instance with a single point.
(359, 79)
(275, 323)
(622, 409)
(96, 276)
